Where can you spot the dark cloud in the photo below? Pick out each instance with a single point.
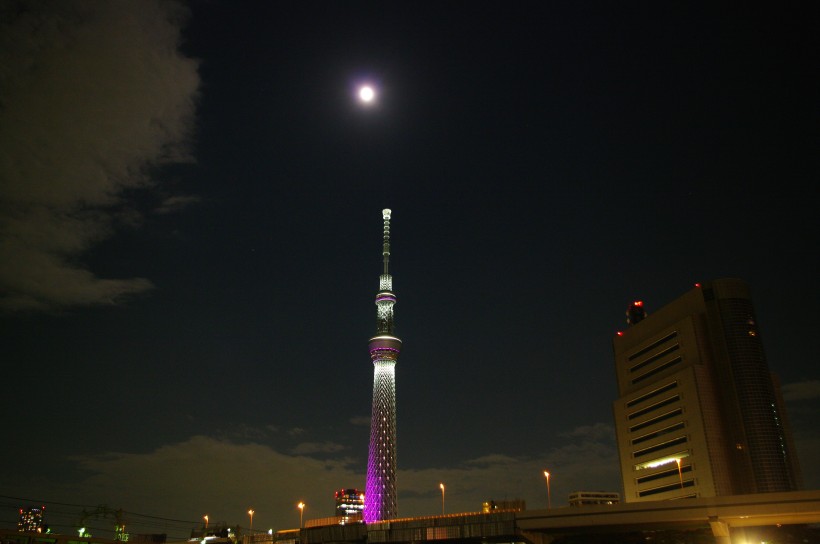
(93, 94)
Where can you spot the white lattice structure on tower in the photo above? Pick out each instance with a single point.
(380, 490)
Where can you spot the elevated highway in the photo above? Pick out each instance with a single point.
(725, 518)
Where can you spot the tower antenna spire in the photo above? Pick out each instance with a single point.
(386, 245)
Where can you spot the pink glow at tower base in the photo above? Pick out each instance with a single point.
(380, 490)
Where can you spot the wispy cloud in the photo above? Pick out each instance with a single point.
(308, 448)
(492, 460)
(218, 477)
(808, 451)
(801, 390)
(596, 432)
(244, 432)
(93, 94)
(588, 461)
(224, 478)
(803, 412)
(177, 203)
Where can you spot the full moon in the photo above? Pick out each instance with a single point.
(367, 94)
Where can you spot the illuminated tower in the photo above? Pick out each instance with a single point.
(380, 491)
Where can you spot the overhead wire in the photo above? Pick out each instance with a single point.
(60, 518)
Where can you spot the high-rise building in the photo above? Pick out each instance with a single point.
(380, 490)
(349, 504)
(32, 519)
(699, 413)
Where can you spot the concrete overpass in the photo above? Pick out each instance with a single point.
(725, 518)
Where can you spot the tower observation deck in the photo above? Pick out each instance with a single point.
(380, 490)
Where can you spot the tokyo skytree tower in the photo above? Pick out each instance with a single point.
(380, 491)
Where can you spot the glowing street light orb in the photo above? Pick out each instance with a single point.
(367, 94)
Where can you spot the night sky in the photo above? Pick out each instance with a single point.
(190, 240)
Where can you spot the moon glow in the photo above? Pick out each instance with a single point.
(367, 94)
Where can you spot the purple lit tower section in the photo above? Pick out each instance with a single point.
(380, 491)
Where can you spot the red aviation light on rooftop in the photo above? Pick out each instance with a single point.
(697, 285)
(635, 313)
(620, 333)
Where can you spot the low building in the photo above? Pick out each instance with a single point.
(516, 505)
(583, 498)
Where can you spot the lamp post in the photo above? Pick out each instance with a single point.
(301, 507)
(205, 517)
(549, 495)
(680, 472)
(250, 513)
(442, 498)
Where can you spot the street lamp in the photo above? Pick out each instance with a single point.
(680, 472)
(549, 496)
(301, 507)
(442, 498)
(205, 517)
(250, 513)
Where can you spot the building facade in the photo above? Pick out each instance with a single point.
(32, 519)
(517, 505)
(349, 504)
(699, 414)
(380, 490)
(585, 498)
